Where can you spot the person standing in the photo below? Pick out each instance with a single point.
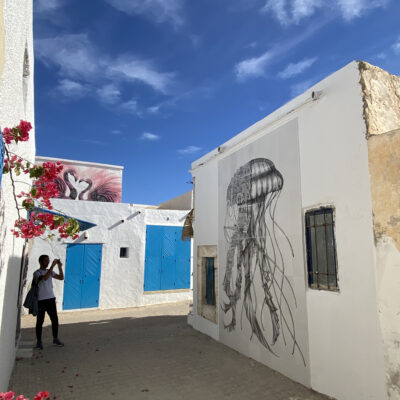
(46, 299)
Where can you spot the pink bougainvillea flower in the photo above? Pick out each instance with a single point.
(7, 396)
(44, 394)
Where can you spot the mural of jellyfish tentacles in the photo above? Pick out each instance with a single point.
(256, 253)
(94, 184)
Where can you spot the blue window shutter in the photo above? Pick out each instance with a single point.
(2, 151)
(210, 281)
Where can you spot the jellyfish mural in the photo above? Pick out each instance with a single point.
(256, 251)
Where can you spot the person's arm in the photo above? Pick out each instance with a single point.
(49, 271)
(60, 275)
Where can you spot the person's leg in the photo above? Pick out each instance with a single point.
(39, 322)
(52, 311)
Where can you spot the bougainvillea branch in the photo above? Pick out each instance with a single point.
(10, 396)
(43, 188)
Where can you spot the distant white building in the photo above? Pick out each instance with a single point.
(132, 256)
(297, 239)
(16, 103)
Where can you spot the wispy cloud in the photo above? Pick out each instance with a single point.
(253, 67)
(116, 132)
(256, 66)
(294, 69)
(396, 47)
(189, 150)
(109, 93)
(72, 89)
(149, 136)
(47, 5)
(293, 11)
(156, 10)
(134, 69)
(132, 106)
(84, 70)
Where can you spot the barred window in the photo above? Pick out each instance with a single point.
(321, 249)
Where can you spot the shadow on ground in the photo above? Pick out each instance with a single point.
(156, 357)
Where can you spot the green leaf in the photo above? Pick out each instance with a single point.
(27, 205)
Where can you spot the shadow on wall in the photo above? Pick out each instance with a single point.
(9, 321)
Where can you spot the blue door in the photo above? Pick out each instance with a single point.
(167, 259)
(82, 276)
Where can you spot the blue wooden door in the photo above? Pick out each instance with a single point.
(91, 276)
(73, 276)
(153, 257)
(82, 276)
(167, 259)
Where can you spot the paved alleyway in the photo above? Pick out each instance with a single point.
(143, 353)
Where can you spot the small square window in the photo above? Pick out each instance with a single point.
(321, 249)
(123, 252)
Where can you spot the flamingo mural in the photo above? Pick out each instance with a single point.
(93, 184)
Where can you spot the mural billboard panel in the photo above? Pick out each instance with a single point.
(78, 181)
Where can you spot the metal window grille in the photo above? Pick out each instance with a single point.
(321, 249)
(210, 281)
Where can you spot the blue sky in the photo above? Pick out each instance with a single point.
(154, 84)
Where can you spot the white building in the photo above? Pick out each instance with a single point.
(16, 103)
(297, 221)
(133, 256)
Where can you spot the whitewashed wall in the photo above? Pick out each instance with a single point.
(16, 103)
(122, 279)
(342, 336)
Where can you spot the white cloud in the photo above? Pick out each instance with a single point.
(293, 11)
(149, 136)
(109, 93)
(131, 69)
(294, 69)
(257, 66)
(300, 87)
(396, 47)
(277, 7)
(116, 132)
(131, 106)
(72, 89)
(253, 67)
(189, 150)
(305, 8)
(75, 57)
(73, 54)
(156, 10)
(154, 109)
(41, 6)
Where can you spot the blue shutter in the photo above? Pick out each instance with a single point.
(91, 276)
(153, 258)
(73, 276)
(167, 259)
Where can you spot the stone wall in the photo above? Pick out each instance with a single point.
(381, 93)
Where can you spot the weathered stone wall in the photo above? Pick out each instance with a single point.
(381, 94)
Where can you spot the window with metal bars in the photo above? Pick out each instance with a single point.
(210, 281)
(321, 249)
